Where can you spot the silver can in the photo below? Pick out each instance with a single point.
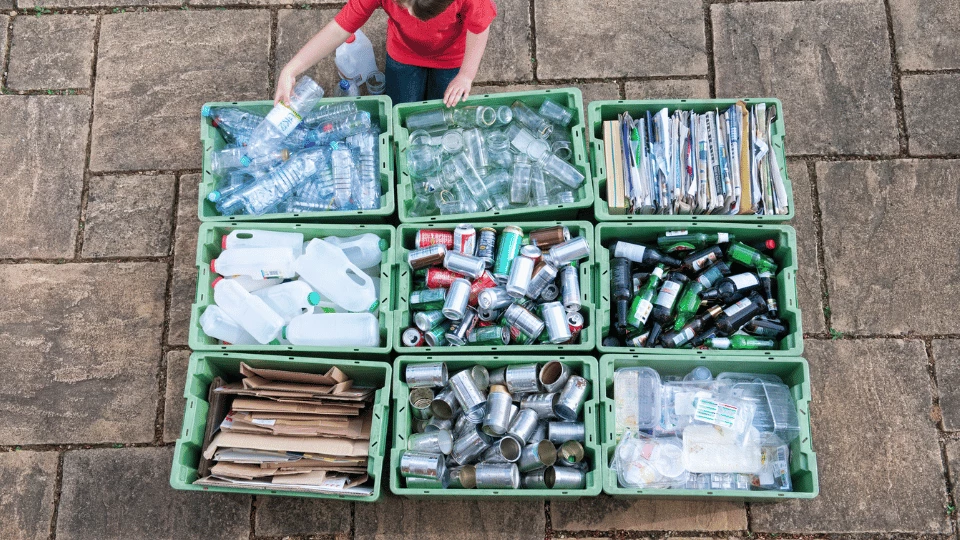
(464, 477)
(554, 375)
(494, 298)
(561, 432)
(571, 398)
(459, 330)
(489, 314)
(555, 318)
(498, 475)
(437, 442)
(522, 271)
(523, 426)
(461, 426)
(522, 378)
(420, 425)
(414, 482)
(420, 399)
(538, 455)
(550, 293)
(467, 265)
(487, 246)
(425, 320)
(570, 285)
(505, 450)
(458, 296)
(421, 465)
(541, 278)
(496, 419)
(468, 448)
(569, 251)
(480, 376)
(498, 376)
(427, 375)
(445, 405)
(471, 398)
(570, 453)
(569, 478)
(538, 479)
(438, 424)
(524, 320)
(539, 435)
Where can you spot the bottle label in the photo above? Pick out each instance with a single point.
(737, 308)
(676, 233)
(629, 251)
(702, 262)
(668, 294)
(683, 337)
(716, 413)
(271, 273)
(745, 280)
(723, 238)
(284, 119)
(643, 311)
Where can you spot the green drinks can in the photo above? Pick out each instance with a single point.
(511, 239)
(427, 299)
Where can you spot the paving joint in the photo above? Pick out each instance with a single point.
(63, 260)
(821, 251)
(272, 49)
(253, 517)
(85, 188)
(903, 135)
(57, 491)
(533, 38)
(708, 48)
(5, 67)
(937, 415)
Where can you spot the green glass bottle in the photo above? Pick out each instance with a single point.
(642, 304)
(688, 304)
(751, 258)
(684, 241)
(740, 343)
(693, 329)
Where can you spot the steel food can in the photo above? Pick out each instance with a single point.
(426, 375)
(538, 455)
(509, 247)
(561, 432)
(422, 465)
(487, 246)
(426, 257)
(420, 400)
(468, 447)
(549, 236)
(542, 404)
(571, 398)
(496, 419)
(523, 426)
(497, 475)
(568, 478)
(554, 375)
(412, 337)
(522, 378)
(471, 398)
(435, 442)
(445, 405)
(434, 237)
(465, 239)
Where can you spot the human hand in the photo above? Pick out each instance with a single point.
(458, 90)
(285, 82)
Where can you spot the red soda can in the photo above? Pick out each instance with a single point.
(433, 237)
(482, 323)
(575, 322)
(440, 278)
(485, 281)
(465, 239)
(412, 337)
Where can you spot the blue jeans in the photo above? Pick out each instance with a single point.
(407, 83)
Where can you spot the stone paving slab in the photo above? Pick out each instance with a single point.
(619, 39)
(283, 516)
(828, 62)
(442, 519)
(946, 357)
(80, 345)
(667, 89)
(809, 294)
(125, 493)
(953, 460)
(27, 490)
(174, 402)
(52, 51)
(146, 113)
(604, 512)
(129, 216)
(4, 30)
(43, 147)
(931, 105)
(183, 288)
(508, 56)
(877, 449)
(927, 33)
(889, 244)
(64, 4)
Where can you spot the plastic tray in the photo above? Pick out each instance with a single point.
(795, 373)
(204, 367)
(380, 109)
(209, 247)
(585, 366)
(406, 235)
(568, 97)
(647, 232)
(599, 111)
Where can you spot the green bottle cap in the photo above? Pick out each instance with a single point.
(313, 298)
(373, 307)
(275, 342)
(383, 244)
(283, 332)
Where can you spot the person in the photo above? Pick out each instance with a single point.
(434, 47)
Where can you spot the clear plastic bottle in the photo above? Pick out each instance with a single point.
(368, 169)
(263, 263)
(235, 125)
(526, 116)
(231, 183)
(265, 193)
(556, 113)
(283, 119)
(250, 312)
(289, 299)
(217, 324)
(347, 89)
(341, 160)
(339, 128)
(229, 159)
(334, 330)
(475, 116)
(328, 270)
(363, 250)
(327, 113)
(520, 186)
(255, 238)
(312, 196)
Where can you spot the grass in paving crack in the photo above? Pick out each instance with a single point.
(835, 334)
(40, 10)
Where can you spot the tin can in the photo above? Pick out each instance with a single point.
(445, 405)
(525, 321)
(459, 330)
(412, 337)
(465, 239)
(498, 476)
(537, 479)
(505, 450)
(488, 316)
(489, 335)
(539, 435)
(538, 455)
(575, 322)
(571, 398)
(468, 265)
(494, 298)
(543, 274)
(468, 447)
(436, 442)
(522, 378)
(420, 399)
(523, 426)
(555, 318)
(426, 257)
(550, 293)
(511, 238)
(428, 299)
(554, 375)
(482, 283)
(542, 404)
(568, 478)
(487, 246)
(440, 278)
(434, 237)
(457, 297)
(549, 236)
(522, 271)
(422, 465)
(569, 251)
(425, 320)
(471, 398)
(561, 432)
(438, 424)
(570, 285)
(436, 336)
(464, 477)
(481, 377)
(497, 411)
(420, 425)
(498, 376)
(570, 453)
(426, 375)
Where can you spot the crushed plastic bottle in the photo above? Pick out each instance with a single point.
(283, 118)
(265, 193)
(235, 125)
(347, 89)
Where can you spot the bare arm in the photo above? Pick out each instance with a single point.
(319, 47)
(459, 88)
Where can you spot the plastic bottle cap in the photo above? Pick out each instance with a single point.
(770, 244)
(352, 38)
(205, 111)
(313, 298)
(275, 342)
(373, 306)
(213, 265)
(344, 84)
(214, 284)
(283, 332)
(245, 161)
(383, 244)
(223, 243)
(213, 196)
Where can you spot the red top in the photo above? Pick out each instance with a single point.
(437, 43)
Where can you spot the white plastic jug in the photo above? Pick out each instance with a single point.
(218, 325)
(289, 299)
(262, 263)
(364, 250)
(328, 270)
(249, 238)
(254, 284)
(250, 312)
(355, 59)
(334, 330)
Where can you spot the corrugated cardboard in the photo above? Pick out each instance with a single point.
(308, 445)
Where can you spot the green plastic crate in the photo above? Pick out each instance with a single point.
(585, 366)
(647, 233)
(380, 109)
(568, 97)
(403, 317)
(200, 374)
(600, 111)
(795, 373)
(209, 247)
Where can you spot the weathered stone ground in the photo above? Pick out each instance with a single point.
(98, 173)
